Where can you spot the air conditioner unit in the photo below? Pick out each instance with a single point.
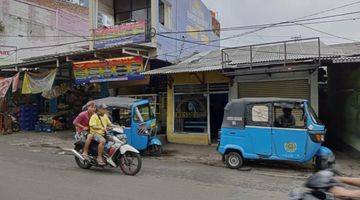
(103, 20)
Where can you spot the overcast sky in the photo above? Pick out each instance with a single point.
(249, 12)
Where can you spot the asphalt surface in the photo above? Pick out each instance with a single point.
(42, 173)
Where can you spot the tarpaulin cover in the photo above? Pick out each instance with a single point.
(56, 91)
(6, 82)
(35, 83)
(4, 86)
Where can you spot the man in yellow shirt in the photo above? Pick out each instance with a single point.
(99, 122)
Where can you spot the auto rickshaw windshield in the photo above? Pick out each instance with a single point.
(143, 113)
(313, 115)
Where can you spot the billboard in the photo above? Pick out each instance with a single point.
(114, 69)
(133, 32)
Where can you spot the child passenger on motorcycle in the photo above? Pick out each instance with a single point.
(99, 123)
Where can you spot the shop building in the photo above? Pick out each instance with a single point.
(129, 37)
(197, 92)
(200, 86)
(24, 21)
(344, 96)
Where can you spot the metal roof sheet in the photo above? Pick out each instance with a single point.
(347, 49)
(201, 62)
(270, 53)
(211, 61)
(355, 59)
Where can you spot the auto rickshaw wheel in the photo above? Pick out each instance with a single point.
(234, 160)
(155, 150)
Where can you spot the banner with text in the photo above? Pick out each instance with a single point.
(127, 33)
(114, 69)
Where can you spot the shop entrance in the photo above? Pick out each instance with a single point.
(217, 104)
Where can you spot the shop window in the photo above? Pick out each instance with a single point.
(165, 13)
(258, 115)
(289, 117)
(190, 113)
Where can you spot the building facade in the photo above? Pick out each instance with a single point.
(169, 25)
(35, 23)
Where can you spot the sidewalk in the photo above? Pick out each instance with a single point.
(207, 155)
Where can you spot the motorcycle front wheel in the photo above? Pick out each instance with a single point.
(130, 163)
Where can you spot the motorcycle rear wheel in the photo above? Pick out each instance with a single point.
(82, 165)
(130, 163)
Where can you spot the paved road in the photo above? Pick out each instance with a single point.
(30, 173)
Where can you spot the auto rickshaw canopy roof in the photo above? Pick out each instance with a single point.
(234, 112)
(115, 102)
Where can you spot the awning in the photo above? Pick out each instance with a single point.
(201, 62)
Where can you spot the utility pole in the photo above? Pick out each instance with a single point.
(93, 13)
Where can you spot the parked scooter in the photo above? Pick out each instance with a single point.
(317, 187)
(117, 153)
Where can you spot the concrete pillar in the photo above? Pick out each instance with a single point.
(314, 91)
(154, 20)
(93, 13)
(233, 90)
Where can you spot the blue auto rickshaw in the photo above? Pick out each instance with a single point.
(139, 122)
(272, 129)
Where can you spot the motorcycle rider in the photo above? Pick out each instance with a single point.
(99, 123)
(343, 193)
(81, 123)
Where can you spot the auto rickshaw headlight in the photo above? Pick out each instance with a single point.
(318, 138)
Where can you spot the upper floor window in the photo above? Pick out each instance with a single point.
(165, 13)
(131, 10)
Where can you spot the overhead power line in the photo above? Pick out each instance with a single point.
(198, 43)
(326, 33)
(262, 28)
(246, 27)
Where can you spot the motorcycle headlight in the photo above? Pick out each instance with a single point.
(122, 138)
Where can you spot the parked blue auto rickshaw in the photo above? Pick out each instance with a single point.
(272, 129)
(139, 121)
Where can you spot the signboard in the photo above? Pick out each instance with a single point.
(115, 69)
(133, 32)
(7, 55)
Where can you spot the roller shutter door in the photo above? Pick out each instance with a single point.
(285, 89)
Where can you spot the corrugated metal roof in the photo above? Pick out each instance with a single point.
(270, 53)
(201, 62)
(211, 61)
(355, 59)
(347, 49)
(79, 52)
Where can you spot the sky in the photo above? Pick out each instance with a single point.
(249, 12)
